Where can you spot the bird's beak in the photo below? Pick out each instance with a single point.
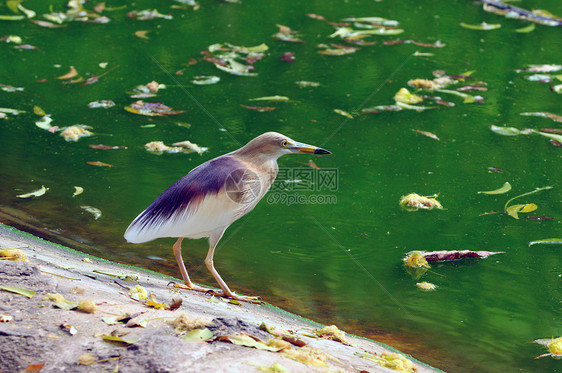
(299, 147)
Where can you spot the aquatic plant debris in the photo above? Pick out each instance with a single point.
(13, 254)
(96, 213)
(191, 146)
(332, 332)
(36, 193)
(509, 11)
(514, 210)
(416, 259)
(449, 255)
(426, 286)
(414, 202)
(234, 59)
(76, 132)
(151, 109)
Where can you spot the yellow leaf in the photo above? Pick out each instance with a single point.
(529, 207)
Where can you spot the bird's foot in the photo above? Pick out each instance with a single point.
(194, 287)
(242, 298)
(231, 295)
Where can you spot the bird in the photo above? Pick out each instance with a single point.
(213, 195)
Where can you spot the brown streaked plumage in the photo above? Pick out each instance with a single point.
(212, 196)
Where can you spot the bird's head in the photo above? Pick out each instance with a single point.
(275, 145)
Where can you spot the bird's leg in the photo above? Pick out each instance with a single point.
(211, 267)
(184, 275)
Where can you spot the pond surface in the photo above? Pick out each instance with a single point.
(330, 246)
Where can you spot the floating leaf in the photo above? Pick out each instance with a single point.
(546, 68)
(482, 26)
(260, 109)
(13, 17)
(551, 136)
(151, 109)
(544, 114)
(406, 97)
(105, 104)
(28, 13)
(92, 210)
(38, 111)
(505, 131)
(147, 14)
(77, 191)
(10, 88)
(503, 189)
(69, 75)
(198, 335)
(304, 83)
(45, 122)
(336, 50)
(99, 164)
(286, 34)
(35, 193)
(142, 34)
(205, 80)
(547, 241)
(106, 147)
(275, 98)
(12, 289)
(428, 134)
(343, 113)
(158, 147)
(526, 29)
(288, 57)
(515, 210)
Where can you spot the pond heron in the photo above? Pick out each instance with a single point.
(212, 196)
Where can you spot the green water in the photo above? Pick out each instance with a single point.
(338, 262)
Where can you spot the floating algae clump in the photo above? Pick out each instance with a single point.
(416, 259)
(414, 202)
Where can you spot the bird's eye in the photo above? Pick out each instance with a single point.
(284, 143)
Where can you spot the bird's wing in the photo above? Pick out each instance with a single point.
(209, 197)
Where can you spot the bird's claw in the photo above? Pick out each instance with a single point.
(231, 295)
